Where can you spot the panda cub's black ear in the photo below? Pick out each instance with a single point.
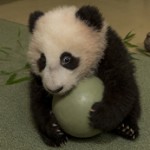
(91, 16)
(33, 18)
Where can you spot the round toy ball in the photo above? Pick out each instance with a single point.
(72, 110)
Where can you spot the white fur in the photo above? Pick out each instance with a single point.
(58, 31)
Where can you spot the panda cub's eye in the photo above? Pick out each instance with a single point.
(41, 62)
(67, 60)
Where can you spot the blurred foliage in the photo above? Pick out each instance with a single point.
(127, 40)
(7, 55)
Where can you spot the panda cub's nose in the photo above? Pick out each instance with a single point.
(57, 90)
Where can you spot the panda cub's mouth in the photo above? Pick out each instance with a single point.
(60, 90)
(56, 91)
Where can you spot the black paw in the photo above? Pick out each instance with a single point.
(54, 135)
(126, 131)
(102, 117)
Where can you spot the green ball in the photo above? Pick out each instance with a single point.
(72, 110)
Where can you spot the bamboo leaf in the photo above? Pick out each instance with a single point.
(19, 33)
(130, 45)
(129, 37)
(18, 80)
(6, 48)
(19, 39)
(5, 72)
(27, 66)
(20, 44)
(4, 52)
(11, 79)
(144, 52)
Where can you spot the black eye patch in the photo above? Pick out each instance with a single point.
(68, 61)
(41, 62)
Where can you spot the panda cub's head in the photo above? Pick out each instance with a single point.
(66, 45)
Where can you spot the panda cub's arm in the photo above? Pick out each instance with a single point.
(120, 102)
(44, 119)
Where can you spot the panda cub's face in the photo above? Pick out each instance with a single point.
(66, 45)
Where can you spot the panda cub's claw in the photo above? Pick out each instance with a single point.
(56, 140)
(126, 131)
(54, 136)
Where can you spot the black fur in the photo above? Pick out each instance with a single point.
(71, 63)
(45, 122)
(119, 109)
(41, 62)
(120, 104)
(33, 18)
(91, 16)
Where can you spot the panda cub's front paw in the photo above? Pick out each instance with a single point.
(128, 131)
(54, 135)
(101, 117)
(96, 115)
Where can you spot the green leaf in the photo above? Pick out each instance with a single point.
(11, 79)
(20, 44)
(130, 45)
(18, 80)
(27, 66)
(19, 33)
(4, 52)
(144, 52)
(6, 48)
(2, 72)
(129, 36)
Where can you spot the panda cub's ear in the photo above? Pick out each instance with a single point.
(91, 16)
(33, 18)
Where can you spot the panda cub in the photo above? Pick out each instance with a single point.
(68, 44)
